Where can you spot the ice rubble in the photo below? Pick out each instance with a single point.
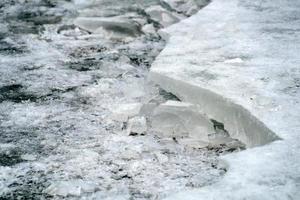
(239, 61)
(58, 86)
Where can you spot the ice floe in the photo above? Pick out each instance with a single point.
(238, 61)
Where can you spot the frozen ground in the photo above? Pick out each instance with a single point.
(60, 88)
(239, 61)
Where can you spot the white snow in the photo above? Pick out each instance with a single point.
(239, 61)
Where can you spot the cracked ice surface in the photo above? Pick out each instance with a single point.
(239, 60)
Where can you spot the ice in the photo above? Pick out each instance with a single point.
(125, 111)
(161, 157)
(185, 123)
(111, 27)
(147, 109)
(137, 125)
(179, 119)
(61, 88)
(162, 16)
(238, 61)
(234, 61)
(71, 188)
(188, 7)
(83, 2)
(3, 30)
(149, 29)
(29, 157)
(193, 143)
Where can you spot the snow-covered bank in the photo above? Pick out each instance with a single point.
(239, 60)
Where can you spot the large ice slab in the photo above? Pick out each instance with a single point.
(239, 60)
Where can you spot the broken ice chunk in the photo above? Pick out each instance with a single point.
(114, 27)
(29, 157)
(163, 16)
(188, 7)
(70, 188)
(193, 143)
(149, 29)
(221, 135)
(134, 90)
(179, 119)
(161, 157)
(221, 138)
(147, 109)
(137, 125)
(234, 61)
(125, 111)
(63, 189)
(129, 155)
(169, 125)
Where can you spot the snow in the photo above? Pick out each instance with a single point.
(239, 61)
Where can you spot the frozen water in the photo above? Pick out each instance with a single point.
(113, 27)
(180, 119)
(162, 16)
(187, 7)
(123, 112)
(239, 61)
(61, 91)
(137, 125)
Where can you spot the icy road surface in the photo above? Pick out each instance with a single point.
(239, 60)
